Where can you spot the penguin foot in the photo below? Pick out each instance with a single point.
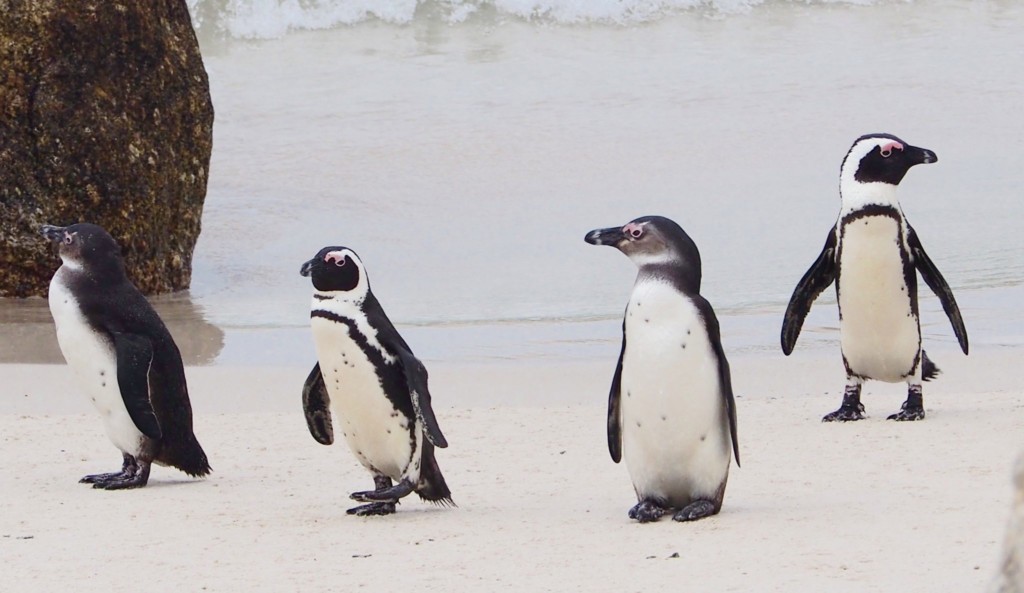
(695, 510)
(96, 478)
(372, 509)
(124, 482)
(391, 494)
(646, 511)
(134, 474)
(845, 414)
(908, 414)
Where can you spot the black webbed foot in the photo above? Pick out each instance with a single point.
(96, 478)
(845, 414)
(697, 509)
(913, 408)
(137, 481)
(133, 474)
(852, 409)
(646, 511)
(372, 509)
(390, 494)
(908, 413)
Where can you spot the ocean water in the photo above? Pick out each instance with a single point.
(464, 148)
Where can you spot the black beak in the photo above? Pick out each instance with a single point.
(53, 233)
(611, 236)
(920, 156)
(307, 268)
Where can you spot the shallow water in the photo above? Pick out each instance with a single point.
(464, 161)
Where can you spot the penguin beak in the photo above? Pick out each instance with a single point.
(307, 268)
(610, 236)
(919, 156)
(54, 233)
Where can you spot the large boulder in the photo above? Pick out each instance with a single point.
(105, 117)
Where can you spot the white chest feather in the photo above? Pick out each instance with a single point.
(90, 356)
(381, 437)
(674, 436)
(879, 332)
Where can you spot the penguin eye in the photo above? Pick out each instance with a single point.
(68, 238)
(635, 233)
(886, 149)
(339, 262)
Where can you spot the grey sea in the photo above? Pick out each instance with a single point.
(463, 148)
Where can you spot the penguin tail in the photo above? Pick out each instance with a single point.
(928, 369)
(188, 456)
(431, 486)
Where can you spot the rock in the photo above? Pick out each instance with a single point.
(105, 117)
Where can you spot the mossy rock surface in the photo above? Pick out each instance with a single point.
(105, 117)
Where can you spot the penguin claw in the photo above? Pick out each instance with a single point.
(646, 511)
(695, 510)
(845, 414)
(372, 509)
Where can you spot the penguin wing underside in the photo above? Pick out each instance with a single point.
(933, 278)
(416, 378)
(614, 399)
(724, 374)
(134, 354)
(316, 403)
(820, 275)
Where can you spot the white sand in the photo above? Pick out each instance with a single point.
(868, 506)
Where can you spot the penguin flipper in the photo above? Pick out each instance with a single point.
(820, 275)
(933, 278)
(724, 374)
(134, 354)
(416, 378)
(614, 399)
(316, 403)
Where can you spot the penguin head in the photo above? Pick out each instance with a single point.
(86, 246)
(881, 158)
(654, 242)
(337, 269)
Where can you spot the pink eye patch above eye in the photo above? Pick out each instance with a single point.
(888, 148)
(633, 229)
(335, 257)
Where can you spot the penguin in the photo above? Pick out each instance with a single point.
(123, 357)
(369, 382)
(671, 410)
(874, 255)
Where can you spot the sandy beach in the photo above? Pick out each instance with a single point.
(866, 506)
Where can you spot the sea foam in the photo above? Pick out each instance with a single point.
(269, 19)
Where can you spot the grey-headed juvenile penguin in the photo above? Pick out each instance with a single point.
(873, 255)
(123, 357)
(369, 382)
(671, 411)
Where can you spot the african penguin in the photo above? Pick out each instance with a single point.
(123, 357)
(874, 255)
(671, 410)
(376, 389)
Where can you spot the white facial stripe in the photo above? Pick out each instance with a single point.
(70, 264)
(647, 259)
(855, 194)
